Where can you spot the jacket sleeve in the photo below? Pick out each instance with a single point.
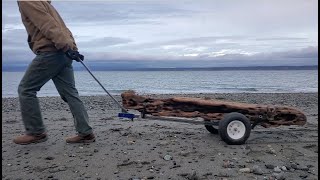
(37, 13)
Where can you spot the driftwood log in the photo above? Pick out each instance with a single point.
(269, 115)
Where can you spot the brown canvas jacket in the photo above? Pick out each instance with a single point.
(45, 27)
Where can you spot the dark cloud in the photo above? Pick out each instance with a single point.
(308, 52)
(305, 56)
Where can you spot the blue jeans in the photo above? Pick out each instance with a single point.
(58, 67)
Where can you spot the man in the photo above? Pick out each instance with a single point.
(55, 50)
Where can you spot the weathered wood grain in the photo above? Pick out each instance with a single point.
(272, 115)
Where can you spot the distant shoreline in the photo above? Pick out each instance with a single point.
(13, 68)
(227, 68)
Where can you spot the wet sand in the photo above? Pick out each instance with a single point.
(149, 149)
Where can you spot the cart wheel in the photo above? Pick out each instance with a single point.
(211, 129)
(234, 128)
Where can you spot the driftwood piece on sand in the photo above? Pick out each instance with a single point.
(212, 109)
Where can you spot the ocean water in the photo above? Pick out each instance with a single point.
(179, 82)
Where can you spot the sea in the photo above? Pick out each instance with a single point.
(179, 82)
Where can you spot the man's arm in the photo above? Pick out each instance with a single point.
(37, 14)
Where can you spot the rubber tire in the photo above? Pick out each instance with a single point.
(212, 129)
(223, 124)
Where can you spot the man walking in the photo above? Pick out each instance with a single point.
(55, 50)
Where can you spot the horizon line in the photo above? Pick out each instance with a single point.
(95, 68)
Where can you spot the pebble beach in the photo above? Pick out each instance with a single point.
(152, 149)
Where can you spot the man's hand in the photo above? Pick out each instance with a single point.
(74, 55)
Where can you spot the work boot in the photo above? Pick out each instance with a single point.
(81, 139)
(28, 139)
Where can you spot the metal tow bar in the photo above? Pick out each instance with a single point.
(124, 113)
(181, 120)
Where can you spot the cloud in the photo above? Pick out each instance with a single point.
(297, 57)
(206, 30)
(308, 52)
(237, 55)
(14, 39)
(106, 41)
(118, 12)
(282, 39)
(17, 55)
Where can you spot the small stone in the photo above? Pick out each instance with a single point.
(294, 166)
(135, 178)
(284, 168)
(279, 176)
(228, 164)
(303, 176)
(271, 151)
(193, 176)
(257, 170)
(224, 173)
(277, 169)
(184, 153)
(269, 166)
(245, 170)
(183, 174)
(49, 158)
(288, 166)
(164, 143)
(303, 168)
(95, 150)
(51, 176)
(167, 157)
(130, 142)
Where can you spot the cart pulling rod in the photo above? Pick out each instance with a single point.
(183, 120)
(124, 112)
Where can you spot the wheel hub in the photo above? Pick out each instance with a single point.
(236, 129)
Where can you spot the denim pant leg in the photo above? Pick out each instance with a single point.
(65, 85)
(40, 71)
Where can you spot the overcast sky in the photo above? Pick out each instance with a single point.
(236, 31)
